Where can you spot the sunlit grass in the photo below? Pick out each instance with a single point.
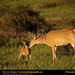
(58, 13)
(41, 59)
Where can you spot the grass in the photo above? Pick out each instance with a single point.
(41, 59)
(20, 2)
(41, 54)
(58, 14)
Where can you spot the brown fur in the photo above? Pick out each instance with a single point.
(25, 51)
(56, 38)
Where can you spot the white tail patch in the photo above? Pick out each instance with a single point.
(74, 30)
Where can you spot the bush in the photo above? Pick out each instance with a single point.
(4, 10)
(19, 20)
(23, 18)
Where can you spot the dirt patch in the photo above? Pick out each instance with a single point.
(62, 22)
(39, 6)
(45, 5)
(55, 4)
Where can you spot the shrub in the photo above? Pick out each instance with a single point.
(19, 20)
(23, 18)
(4, 10)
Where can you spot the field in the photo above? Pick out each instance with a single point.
(60, 14)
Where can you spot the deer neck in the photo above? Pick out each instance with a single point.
(41, 40)
(26, 46)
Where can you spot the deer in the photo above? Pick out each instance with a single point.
(56, 38)
(24, 51)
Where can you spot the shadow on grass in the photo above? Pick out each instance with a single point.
(65, 50)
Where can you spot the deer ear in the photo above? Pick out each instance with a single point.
(22, 41)
(25, 42)
(35, 37)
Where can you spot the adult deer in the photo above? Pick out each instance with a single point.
(56, 38)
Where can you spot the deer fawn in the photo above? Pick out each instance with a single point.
(25, 51)
(56, 38)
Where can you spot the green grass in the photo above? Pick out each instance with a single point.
(58, 13)
(54, 13)
(41, 59)
(20, 2)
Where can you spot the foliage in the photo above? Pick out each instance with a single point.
(23, 18)
(20, 20)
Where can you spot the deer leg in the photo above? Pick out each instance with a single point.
(26, 58)
(19, 57)
(74, 51)
(53, 51)
(30, 57)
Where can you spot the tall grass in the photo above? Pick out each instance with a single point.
(41, 58)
